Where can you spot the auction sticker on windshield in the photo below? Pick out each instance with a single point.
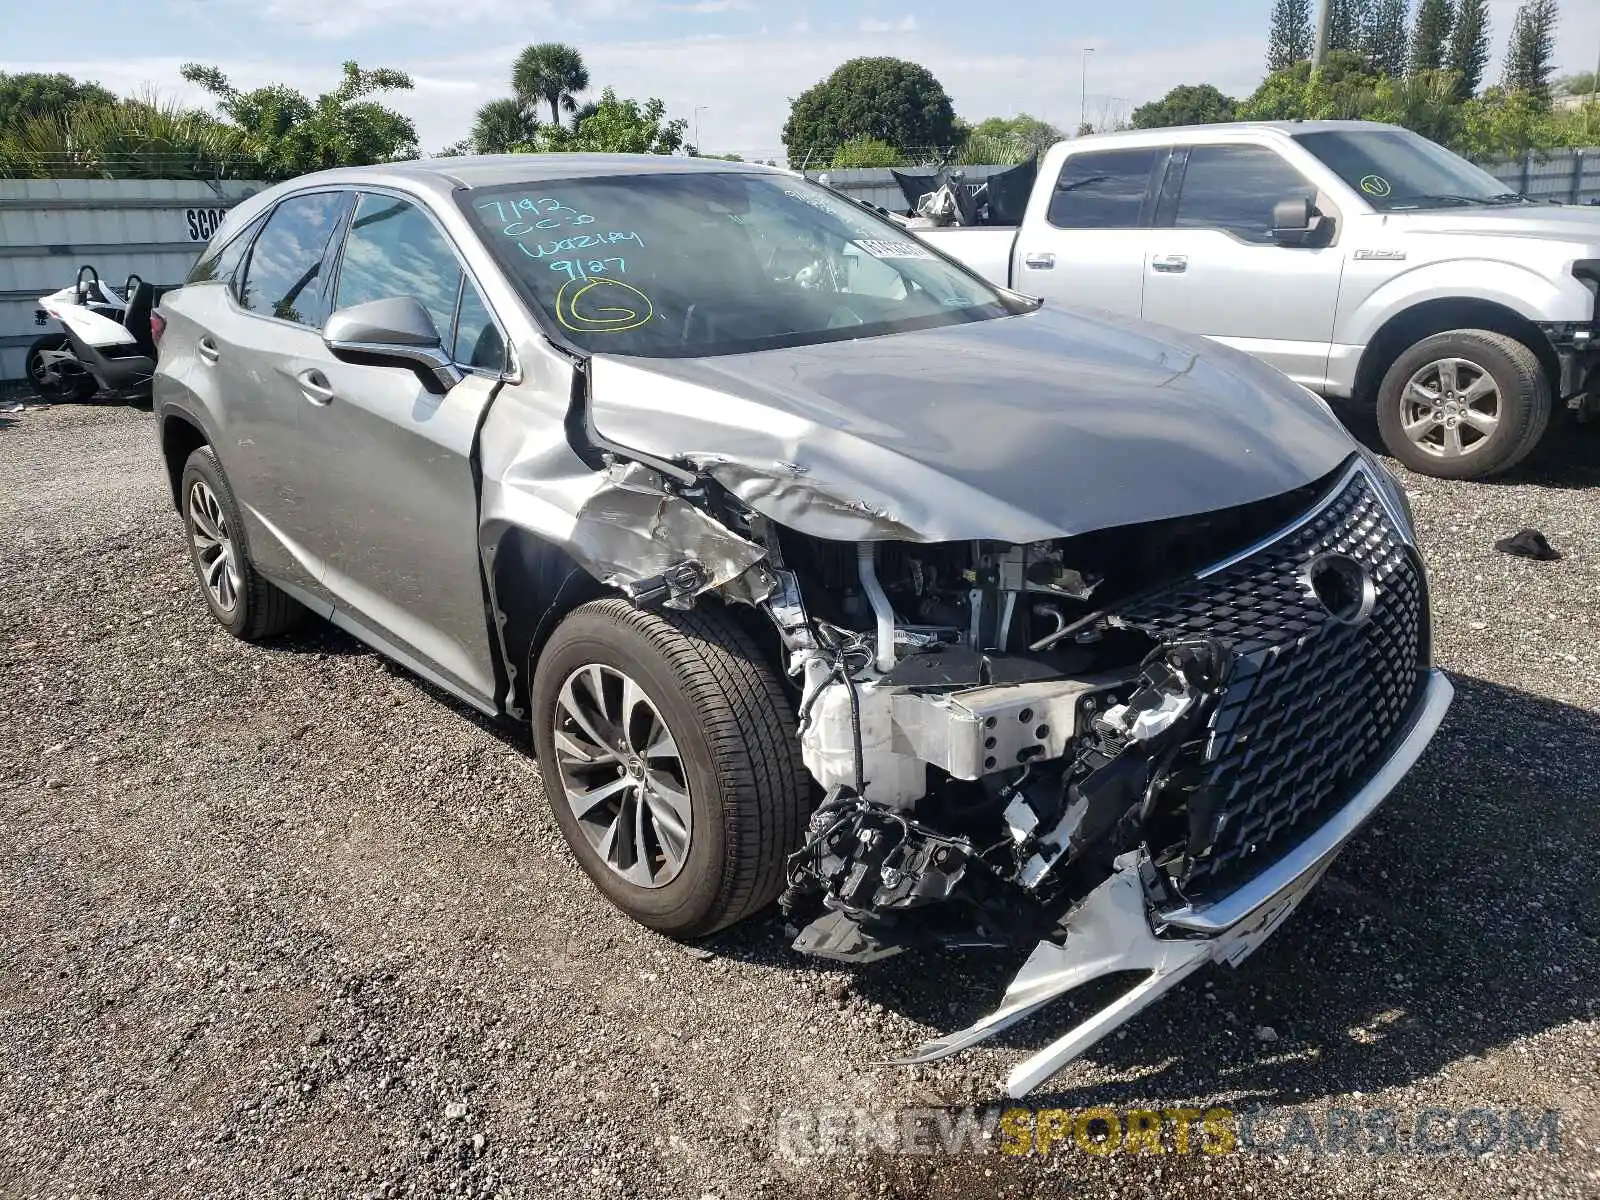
(890, 248)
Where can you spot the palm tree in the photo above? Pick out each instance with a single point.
(502, 125)
(552, 72)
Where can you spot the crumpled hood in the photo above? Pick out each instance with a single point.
(1017, 429)
(1579, 224)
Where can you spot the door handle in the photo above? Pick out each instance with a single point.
(1039, 261)
(1170, 264)
(207, 350)
(315, 387)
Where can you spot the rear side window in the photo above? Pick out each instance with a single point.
(1103, 189)
(284, 275)
(1235, 188)
(220, 262)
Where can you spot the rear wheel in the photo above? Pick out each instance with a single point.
(668, 754)
(242, 601)
(1464, 405)
(55, 372)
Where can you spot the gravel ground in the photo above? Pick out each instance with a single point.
(283, 921)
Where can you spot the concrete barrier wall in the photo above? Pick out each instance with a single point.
(49, 227)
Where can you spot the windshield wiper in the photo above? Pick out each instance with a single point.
(1431, 199)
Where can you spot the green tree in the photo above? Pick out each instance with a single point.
(1342, 90)
(1290, 38)
(887, 99)
(866, 152)
(1469, 47)
(1581, 84)
(1007, 139)
(1530, 58)
(1384, 36)
(140, 138)
(1347, 23)
(32, 94)
(500, 125)
(552, 72)
(615, 126)
(290, 134)
(1186, 104)
(1430, 35)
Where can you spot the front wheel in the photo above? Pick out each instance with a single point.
(55, 372)
(1464, 405)
(668, 753)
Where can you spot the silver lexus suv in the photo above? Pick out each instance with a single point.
(823, 571)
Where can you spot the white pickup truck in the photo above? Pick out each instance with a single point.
(1362, 260)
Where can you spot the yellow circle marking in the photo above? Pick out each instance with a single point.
(606, 318)
(1375, 185)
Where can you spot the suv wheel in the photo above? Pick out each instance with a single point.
(1464, 404)
(243, 603)
(668, 753)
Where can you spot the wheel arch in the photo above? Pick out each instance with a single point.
(181, 436)
(1409, 326)
(533, 584)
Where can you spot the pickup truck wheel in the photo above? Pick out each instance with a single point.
(1464, 405)
(243, 603)
(669, 757)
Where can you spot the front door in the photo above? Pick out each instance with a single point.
(1213, 267)
(392, 455)
(1083, 240)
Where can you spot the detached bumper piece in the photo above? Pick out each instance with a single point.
(1121, 925)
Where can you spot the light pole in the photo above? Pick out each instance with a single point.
(697, 109)
(1083, 87)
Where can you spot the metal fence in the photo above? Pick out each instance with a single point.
(49, 227)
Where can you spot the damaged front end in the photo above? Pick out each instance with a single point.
(1134, 750)
(1125, 749)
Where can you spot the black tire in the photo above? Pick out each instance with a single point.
(1523, 403)
(67, 382)
(260, 609)
(734, 728)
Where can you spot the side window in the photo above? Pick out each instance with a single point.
(1235, 188)
(393, 249)
(1103, 189)
(478, 339)
(284, 275)
(220, 263)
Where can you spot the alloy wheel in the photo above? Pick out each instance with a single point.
(622, 775)
(1450, 408)
(213, 546)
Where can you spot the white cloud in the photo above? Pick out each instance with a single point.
(703, 7)
(905, 24)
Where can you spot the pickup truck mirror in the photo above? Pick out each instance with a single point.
(396, 331)
(1297, 222)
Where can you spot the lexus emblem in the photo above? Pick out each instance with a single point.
(1343, 587)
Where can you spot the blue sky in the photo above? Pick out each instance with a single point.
(739, 60)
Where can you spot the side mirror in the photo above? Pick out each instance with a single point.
(396, 332)
(1297, 222)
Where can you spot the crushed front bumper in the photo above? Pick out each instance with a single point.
(1119, 927)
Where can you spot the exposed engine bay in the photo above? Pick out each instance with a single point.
(989, 739)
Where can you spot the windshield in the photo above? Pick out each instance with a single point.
(1395, 170)
(699, 263)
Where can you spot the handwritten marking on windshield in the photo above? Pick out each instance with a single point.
(1375, 185)
(582, 241)
(527, 213)
(607, 306)
(577, 268)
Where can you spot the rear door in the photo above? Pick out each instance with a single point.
(1085, 237)
(1214, 268)
(260, 337)
(391, 460)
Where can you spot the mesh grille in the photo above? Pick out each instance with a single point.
(1311, 703)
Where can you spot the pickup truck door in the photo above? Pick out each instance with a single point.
(1084, 237)
(1213, 267)
(391, 457)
